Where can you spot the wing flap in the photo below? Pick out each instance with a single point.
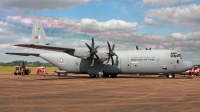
(47, 47)
(24, 54)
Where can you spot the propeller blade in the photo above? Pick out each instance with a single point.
(88, 46)
(96, 56)
(113, 47)
(109, 47)
(92, 60)
(96, 47)
(112, 60)
(92, 43)
(108, 59)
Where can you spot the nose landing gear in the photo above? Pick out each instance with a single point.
(170, 76)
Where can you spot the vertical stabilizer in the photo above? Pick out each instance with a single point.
(38, 34)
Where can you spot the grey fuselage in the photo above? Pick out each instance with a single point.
(126, 62)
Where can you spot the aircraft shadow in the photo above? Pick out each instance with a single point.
(118, 77)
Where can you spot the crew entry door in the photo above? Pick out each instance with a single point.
(128, 63)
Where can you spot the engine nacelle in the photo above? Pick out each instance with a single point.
(111, 69)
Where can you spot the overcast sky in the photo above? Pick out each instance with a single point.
(126, 23)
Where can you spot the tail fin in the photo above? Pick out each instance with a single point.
(38, 34)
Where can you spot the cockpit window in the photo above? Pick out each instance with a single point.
(174, 55)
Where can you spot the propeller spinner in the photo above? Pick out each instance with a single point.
(111, 53)
(92, 51)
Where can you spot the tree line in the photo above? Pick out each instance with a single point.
(29, 64)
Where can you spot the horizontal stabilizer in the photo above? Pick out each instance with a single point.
(24, 54)
(47, 47)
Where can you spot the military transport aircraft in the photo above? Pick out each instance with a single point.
(106, 63)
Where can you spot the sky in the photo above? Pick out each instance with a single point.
(152, 24)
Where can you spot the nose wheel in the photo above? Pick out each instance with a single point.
(170, 76)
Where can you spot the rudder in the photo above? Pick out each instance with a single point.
(38, 35)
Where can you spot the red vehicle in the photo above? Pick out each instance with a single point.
(41, 70)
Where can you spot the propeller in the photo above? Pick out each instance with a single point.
(93, 51)
(111, 53)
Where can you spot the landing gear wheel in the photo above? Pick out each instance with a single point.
(113, 75)
(173, 75)
(106, 75)
(92, 76)
(170, 76)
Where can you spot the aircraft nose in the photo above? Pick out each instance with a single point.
(187, 65)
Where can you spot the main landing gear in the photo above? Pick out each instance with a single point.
(111, 75)
(93, 76)
(105, 76)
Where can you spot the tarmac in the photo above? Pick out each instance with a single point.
(80, 93)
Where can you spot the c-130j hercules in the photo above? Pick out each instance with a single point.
(110, 63)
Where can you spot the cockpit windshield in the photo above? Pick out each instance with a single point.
(175, 54)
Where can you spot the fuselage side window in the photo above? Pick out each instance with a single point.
(177, 61)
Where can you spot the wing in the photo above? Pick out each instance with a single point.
(47, 47)
(24, 54)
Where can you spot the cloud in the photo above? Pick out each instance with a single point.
(149, 21)
(187, 15)
(190, 36)
(92, 26)
(122, 36)
(162, 2)
(4, 31)
(41, 4)
(111, 25)
(3, 46)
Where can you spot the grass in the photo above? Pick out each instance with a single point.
(10, 70)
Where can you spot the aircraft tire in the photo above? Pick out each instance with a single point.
(173, 75)
(92, 76)
(170, 76)
(113, 75)
(105, 75)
